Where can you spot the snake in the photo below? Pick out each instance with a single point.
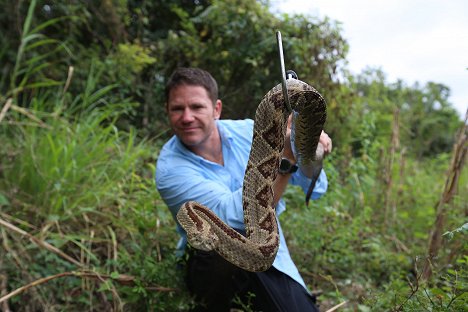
(256, 250)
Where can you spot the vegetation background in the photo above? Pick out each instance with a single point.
(82, 119)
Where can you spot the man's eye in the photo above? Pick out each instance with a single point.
(176, 109)
(197, 107)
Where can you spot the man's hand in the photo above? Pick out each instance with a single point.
(287, 152)
(326, 142)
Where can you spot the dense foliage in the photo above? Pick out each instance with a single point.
(82, 120)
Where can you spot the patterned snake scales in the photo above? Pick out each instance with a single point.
(257, 250)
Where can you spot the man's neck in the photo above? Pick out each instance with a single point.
(211, 149)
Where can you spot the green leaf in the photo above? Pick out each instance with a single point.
(3, 200)
(115, 275)
(438, 291)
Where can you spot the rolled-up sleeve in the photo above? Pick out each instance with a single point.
(301, 180)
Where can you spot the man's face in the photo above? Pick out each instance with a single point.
(192, 114)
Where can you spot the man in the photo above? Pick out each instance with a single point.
(205, 161)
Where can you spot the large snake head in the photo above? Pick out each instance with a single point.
(205, 240)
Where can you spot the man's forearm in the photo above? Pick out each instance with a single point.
(279, 187)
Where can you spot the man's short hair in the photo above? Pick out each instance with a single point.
(192, 77)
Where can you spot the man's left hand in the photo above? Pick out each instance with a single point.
(326, 142)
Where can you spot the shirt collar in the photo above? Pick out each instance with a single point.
(226, 135)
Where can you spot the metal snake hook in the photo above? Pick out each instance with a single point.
(283, 71)
(285, 75)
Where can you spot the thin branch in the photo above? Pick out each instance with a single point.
(19, 261)
(429, 297)
(121, 279)
(29, 115)
(69, 78)
(5, 109)
(398, 243)
(337, 306)
(3, 290)
(114, 292)
(414, 288)
(40, 243)
(455, 297)
(26, 123)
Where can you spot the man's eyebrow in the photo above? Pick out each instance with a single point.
(174, 105)
(197, 104)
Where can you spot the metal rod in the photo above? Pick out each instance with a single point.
(283, 70)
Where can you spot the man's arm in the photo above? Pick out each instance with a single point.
(186, 184)
(282, 180)
(301, 177)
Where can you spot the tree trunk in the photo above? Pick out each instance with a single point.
(456, 166)
(390, 205)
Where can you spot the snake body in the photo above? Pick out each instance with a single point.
(257, 250)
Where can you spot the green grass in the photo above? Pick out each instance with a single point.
(87, 188)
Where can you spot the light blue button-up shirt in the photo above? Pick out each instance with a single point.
(182, 176)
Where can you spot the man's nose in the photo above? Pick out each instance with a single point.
(187, 115)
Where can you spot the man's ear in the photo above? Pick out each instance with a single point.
(218, 107)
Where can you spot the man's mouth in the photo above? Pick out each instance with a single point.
(191, 129)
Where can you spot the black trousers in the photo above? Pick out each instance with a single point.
(218, 285)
